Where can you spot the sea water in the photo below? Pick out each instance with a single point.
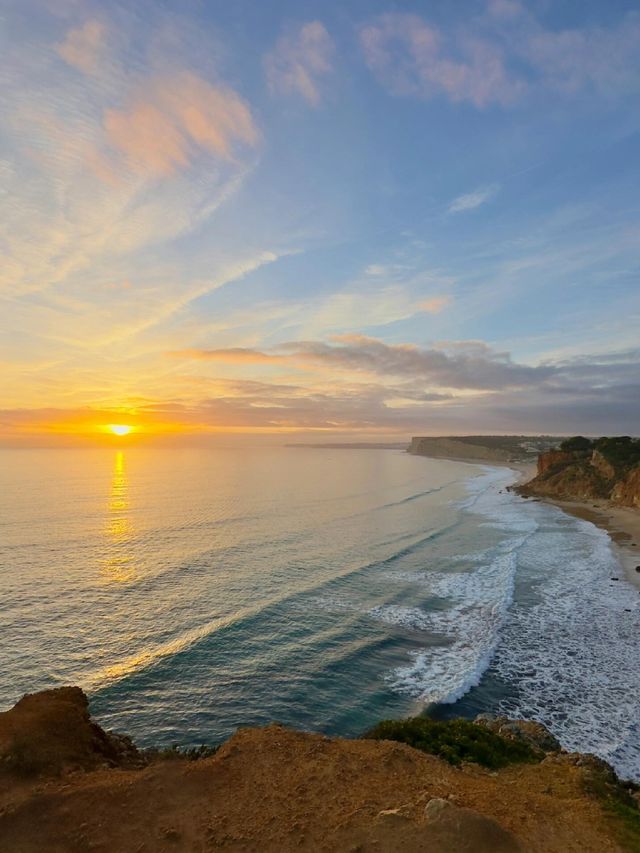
(192, 591)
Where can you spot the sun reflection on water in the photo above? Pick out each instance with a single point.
(117, 567)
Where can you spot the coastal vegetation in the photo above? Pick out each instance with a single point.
(456, 741)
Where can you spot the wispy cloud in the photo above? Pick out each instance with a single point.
(501, 56)
(411, 57)
(299, 60)
(110, 163)
(360, 384)
(83, 46)
(435, 304)
(461, 365)
(469, 201)
(170, 118)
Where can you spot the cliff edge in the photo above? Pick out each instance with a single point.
(589, 469)
(66, 785)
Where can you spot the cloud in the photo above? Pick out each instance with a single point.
(171, 118)
(82, 47)
(435, 304)
(604, 61)
(411, 57)
(100, 166)
(299, 60)
(464, 366)
(598, 393)
(469, 201)
(229, 355)
(376, 270)
(501, 56)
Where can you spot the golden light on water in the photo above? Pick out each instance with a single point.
(120, 429)
(118, 560)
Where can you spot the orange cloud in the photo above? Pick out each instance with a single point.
(232, 355)
(83, 45)
(435, 304)
(163, 128)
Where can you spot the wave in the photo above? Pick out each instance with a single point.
(480, 600)
(571, 652)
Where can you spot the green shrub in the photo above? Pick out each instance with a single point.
(455, 741)
(622, 451)
(577, 443)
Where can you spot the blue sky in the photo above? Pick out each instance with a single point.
(364, 218)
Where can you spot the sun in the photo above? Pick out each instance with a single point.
(120, 429)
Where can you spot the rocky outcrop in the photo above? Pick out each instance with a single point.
(602, 465)
(627, 492)
(552, 459)
(586, 475)
(50, 733)
(528, 731)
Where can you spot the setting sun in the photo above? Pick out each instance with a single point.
(120, 429)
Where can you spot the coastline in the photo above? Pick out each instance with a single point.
(622, 524)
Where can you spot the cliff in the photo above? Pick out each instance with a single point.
(498, 785)
(585, 469)
(499, 449)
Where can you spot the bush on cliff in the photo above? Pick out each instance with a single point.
(456, 741)
(576, 444)
(622, 451)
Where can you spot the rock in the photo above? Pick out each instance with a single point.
(435, 806)
(553, 458)
(594, 765)
(602, 465)
(453, 828)
(529, 731)
(485, 718)
(50, 732)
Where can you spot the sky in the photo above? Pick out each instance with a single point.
(362, 218)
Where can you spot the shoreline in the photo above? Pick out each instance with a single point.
(622, 524)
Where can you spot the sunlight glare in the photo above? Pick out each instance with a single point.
(120, 429)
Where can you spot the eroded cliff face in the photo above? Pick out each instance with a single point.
(583, 476)
(552, 459)
(627, 491)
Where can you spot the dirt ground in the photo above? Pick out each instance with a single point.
(273, 789)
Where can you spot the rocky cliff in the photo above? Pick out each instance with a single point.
(585, 469)
(494, 786)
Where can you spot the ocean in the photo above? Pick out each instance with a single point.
(193, 591)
